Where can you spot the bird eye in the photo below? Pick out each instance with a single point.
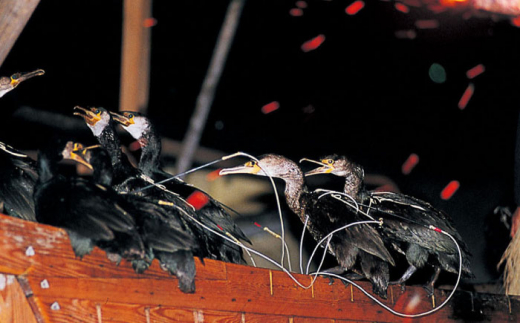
(15, 76)
(131, 116)
(330, 161)
(97, 111)
(251, 163)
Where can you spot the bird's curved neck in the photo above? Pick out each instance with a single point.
(150, 152)
(295, 189)
(353, 185)
(110, 141)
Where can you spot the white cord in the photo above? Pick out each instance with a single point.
(301, 243)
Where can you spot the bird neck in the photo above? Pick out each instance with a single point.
(353, 185)
(110, 141)
(295, 190)
(150, 152)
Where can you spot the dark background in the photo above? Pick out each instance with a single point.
(364, 92)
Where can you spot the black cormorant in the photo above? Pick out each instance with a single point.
(83, 208)
(143, 131)
(158, 224)
(324, 216)
(406, 222)
(9, 83)
(129, 179)
(18, 176)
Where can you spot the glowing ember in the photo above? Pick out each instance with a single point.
(354, 8)
(401, 7)
(427, 24)
(449, 190)
(466, 96)
(213, 175)
(296, 12)
(516, 21)
(301, 4)
(198, 200)
(475, 71)
(313, 43)
(270, 107)
(410, 163)
(149, 22)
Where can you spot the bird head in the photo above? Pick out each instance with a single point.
(77, 152)
(333, 164)
(135, 123)
(96, 118)
(267, 165)
(9, 83)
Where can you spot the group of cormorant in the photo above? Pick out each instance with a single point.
(124, 210)
(408, 226)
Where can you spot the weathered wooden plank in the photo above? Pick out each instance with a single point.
(41, 250)
(14, 15)
(13, 304)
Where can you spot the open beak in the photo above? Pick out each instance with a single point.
(324, 169)
(247, 168)
(122, 119)
(76, 151)
(89, 115)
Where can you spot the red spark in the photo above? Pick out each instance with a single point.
(410, 163)
(354, 7)
(258, 225)
(198, 200)
(301, 4)
(427, 24)
(401, 7)
(449, 190)
(270, 107)
(213, 175)
(475, 71)
(314, 43)
(134, 146)
(516, 21)
(149, 22)
(296, 12)
(466, 96)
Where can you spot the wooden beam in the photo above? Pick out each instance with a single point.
(209, 86)
(14, 15)
(135, 56)
(13, 303)
(60, 288)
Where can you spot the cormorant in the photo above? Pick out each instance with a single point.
(18, 176)
(406, 222)
(158, 224)
(128, 179)
(83, 208)
(324, 216)
(211, 213)
(9, 83)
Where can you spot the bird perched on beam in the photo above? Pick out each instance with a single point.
(210, 211)
(83, 208)
(357, 243)
(157, 222)
(10, 83)
(406, 222)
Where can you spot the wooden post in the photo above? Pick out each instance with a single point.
(135, 56)
(14, 14)
(209, 86)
